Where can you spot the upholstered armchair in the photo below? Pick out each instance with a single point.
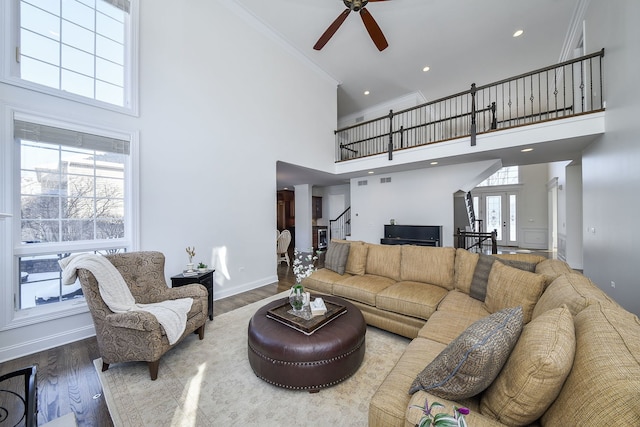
(137, 335)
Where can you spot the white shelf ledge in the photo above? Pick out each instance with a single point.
(5, 215)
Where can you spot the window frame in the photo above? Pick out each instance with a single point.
(10, 231)
(9, 72)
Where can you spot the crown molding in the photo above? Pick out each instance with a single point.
(575, 31)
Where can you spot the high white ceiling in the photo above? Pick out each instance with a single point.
(462, 41)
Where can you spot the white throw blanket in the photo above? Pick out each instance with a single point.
(171, 314)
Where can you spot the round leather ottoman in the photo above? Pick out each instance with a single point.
(288, 358)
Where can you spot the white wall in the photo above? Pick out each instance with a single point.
(532, 213)
(220, 103)
(610, 170)
(419, 197)
(245, 103)
(569, 186)
(573, 199)
(557, 174)
(382, 110)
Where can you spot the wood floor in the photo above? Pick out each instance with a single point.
(68, 382)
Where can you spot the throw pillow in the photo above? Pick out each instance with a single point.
(478, 289)
(471, 362)
(511, 287)
(465, 264)
(336, 257)
(535, 372)
(520, 265)
(357, 259)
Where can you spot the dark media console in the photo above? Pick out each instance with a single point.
(420, 235)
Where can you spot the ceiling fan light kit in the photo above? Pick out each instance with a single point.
(369, 23)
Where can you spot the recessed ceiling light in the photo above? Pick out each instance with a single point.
(426, 68)
(518, 33)
(434, 163)
(366, 92)
(371, 172)
(526, 150)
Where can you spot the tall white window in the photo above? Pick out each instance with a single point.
(508, 175)
(78, 47)
(74, 192)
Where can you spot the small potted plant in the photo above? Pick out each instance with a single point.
(441, 419)
(202, 267)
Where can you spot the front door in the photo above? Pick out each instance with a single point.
(498, 210)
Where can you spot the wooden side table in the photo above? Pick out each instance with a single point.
(205, 279)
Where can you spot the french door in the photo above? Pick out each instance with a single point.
(498, 211)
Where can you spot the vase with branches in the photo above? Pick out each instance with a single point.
(191, 252)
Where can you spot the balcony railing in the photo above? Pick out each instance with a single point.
(559, 91)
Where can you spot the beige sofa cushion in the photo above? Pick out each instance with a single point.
(414, 299)
(465, 265)
(384, 260)
(322, 280)
(461, 304)
(574, 290)
(389, 403)
(444, 327)
(603, 387)
(472, 361)
(535, 371)
(363, 289)
(357, 260)
(429, 265)
(511, 287)
(553, 268)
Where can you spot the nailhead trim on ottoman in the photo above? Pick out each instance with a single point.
(287, 358)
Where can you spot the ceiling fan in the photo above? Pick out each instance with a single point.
(370, 24)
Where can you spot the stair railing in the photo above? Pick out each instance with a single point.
(340, 227)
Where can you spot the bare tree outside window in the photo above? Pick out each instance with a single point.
(67, 195)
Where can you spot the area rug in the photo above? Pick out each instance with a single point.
(210, 383)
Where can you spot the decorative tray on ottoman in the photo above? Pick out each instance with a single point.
(281, 314)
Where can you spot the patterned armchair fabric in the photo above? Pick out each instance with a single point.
(137, 336)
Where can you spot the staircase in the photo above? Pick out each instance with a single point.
(340, 227)
(474, 238)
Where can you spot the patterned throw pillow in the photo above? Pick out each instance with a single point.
(471, 362)
(336, 257)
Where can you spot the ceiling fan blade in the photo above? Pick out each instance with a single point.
(324, 38)
(374, 30)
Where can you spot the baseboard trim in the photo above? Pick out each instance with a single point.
(219, 293)
(30, 347)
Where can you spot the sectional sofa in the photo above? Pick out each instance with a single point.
(518, 339)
